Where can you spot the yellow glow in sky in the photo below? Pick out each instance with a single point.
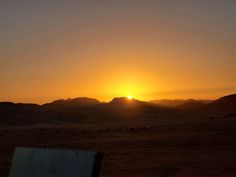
(105, 49)
(130, 97)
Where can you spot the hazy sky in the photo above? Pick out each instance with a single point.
(150, 49)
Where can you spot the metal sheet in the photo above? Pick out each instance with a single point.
(34, 162)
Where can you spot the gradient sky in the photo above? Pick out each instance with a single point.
(150, 49)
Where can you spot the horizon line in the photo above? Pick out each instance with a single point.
(133, 98)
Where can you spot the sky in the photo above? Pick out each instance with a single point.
(149, 49)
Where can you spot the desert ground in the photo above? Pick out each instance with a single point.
(205, 148)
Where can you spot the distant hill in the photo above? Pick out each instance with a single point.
(226, 101)
(223, 105)
(19, 107)
(191, 105)
(120, 110)
(75, 102)
(178, 102)
(120, 100)
(123, 101)
(20, 113)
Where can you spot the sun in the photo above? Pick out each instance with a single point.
(130, 97)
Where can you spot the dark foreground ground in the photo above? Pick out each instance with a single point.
(203, 149)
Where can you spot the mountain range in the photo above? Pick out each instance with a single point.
(85, 110)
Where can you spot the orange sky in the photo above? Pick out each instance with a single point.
(103, 49)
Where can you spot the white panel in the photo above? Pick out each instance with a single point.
(33, 162)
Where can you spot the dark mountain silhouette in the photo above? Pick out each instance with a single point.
(228, 101)
(177, 102)
(20, 113)
(133, 104)
(72, 110)
(75, 102)
(18, 107)
(224, 105)
(191, 104)
(85, 110)
(123, 101)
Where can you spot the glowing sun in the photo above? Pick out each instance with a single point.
(130, 97)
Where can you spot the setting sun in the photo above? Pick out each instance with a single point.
(130, 97)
